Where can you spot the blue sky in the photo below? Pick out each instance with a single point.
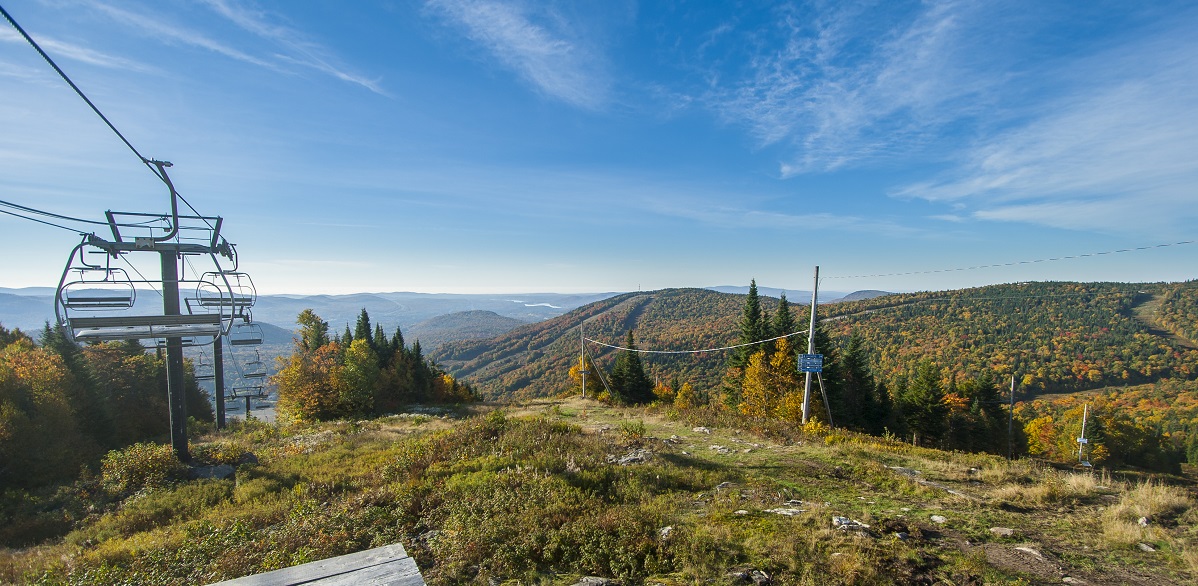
(507, 146)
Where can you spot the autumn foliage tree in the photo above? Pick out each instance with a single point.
(358, 374)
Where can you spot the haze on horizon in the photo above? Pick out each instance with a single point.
(496, 146)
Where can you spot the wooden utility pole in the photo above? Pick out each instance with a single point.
(810, 347)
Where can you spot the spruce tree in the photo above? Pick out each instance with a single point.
(362, 329)
(628, 376)
(752, 329)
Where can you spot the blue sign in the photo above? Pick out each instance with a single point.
(811, 362)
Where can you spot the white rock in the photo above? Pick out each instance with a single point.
(939, 519)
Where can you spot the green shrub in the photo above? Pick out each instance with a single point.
(139, 466)
(220, 452)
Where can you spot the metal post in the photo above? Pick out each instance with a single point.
(1011, 423)
(582, 360)
(1081, 440)
(811, 349)
(218, 375)
(176, 401)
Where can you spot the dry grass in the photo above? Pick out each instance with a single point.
(1049, 487)
(1150, 501)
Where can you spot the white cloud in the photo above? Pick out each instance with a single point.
(305, 52)
(851, 86)
(57, 49)
(559, 67)
(1116, 153)
(171, 33)
(296, 50)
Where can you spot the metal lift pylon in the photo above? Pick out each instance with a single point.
(204, 324)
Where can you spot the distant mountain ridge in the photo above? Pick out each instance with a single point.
(462, 325)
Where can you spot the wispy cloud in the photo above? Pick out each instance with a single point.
(1115, 153)
(851, 86)
(303, 51)
(171, 33)
(737, 217)
(554, 64)
(58, 48)
(295, 49)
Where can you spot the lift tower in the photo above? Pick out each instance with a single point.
(96, 301)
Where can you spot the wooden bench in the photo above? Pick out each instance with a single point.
(388, 565)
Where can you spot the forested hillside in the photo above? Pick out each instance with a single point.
(1055, 336)
(534, 360)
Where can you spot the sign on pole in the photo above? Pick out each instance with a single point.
(811, 362)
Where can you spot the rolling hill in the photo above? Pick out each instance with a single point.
(1058, 337)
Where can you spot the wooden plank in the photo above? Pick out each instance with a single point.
(389, 564)
(395, 573)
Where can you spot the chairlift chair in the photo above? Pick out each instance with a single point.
(108, 294)
(245, 334)
(204, 370)
(225, 289)
(254, 368)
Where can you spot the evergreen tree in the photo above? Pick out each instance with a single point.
(784, 321)
(362, 329)
(347, 338)
(314, 332)
(397, 343)
(95, 418)
(752, 328)
(856, 387)
(923, 404)
(628, 376)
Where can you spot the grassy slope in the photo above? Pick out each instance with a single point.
(532, 497)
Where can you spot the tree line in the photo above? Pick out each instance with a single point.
(359, 373)
(63, 406)
(922, 400)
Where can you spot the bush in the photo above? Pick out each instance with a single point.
(221, 452)
(138, 467)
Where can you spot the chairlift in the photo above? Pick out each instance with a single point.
(109, 294)
(98, 289)
(225, 289)
(239, 391)
(204, 370)
(245, 334)
(254, 368)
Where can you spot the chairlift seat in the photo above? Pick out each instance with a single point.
(98, 301)
(102, 329)
(234, 301)
(245, 335)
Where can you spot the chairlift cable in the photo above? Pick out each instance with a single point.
(145, 161)
(14, 214)
(24, 208)
(693, 351)
(1015, 263)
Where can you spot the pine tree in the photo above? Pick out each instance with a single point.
(628, 376)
